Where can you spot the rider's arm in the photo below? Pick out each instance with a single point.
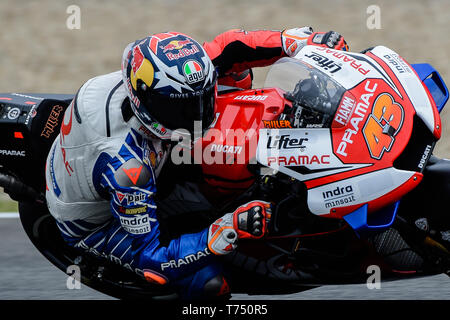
(238, 50)
(130, 185)
(128, 181)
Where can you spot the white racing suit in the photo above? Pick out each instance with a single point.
(101, 173)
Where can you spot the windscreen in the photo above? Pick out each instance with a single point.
(314, 95)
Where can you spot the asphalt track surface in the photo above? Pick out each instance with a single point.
(26, 274)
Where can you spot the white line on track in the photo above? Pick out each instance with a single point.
(9, 215)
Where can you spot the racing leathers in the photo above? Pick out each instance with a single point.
(102, 169)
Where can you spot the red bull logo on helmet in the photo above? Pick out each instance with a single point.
(175, 45)
(177, 49)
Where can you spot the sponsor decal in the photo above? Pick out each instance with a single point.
(185, 52)
(145, 131)
(174, 264)
(277, 124)
(299, 160)
(133, 174)
(338, 196)
(131, 198)
(175, 45)
(344, 110)
(358, 116)
(156, 38)
(346, 59)
(159, 128)
(177, 49)
(52, 121)
(425, 156)
(17, 153)
(285, 142)
(133, 211)
(120, 196)
(13, 113)
(226, 148)
(383, 124)
(251, 98)
(398, 63)
(197, 93)
(214, 228)
(193, 71)
(81, 244)
(288, 42)
(314, 125)
(136, 225)
(324, 62)
(31, 114)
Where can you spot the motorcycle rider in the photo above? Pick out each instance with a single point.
(115, 137)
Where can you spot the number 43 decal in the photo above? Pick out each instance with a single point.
(382, 125)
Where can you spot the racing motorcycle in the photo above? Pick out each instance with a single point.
(340, 143)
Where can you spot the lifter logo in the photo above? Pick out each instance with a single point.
(383, 124)
(285, 142)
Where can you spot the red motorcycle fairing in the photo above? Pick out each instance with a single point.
(344, 167)
(230, 144)
(375, 130)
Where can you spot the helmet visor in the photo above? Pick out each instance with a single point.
(181, 110)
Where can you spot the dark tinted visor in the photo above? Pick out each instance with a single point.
(180, 110)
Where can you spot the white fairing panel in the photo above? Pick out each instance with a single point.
(291, 151)
(347, 68)
(287, 149)
(410, 82)
(357, 190)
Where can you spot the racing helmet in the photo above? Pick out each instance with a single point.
(171, 82)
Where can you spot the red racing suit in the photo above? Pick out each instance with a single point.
(236, 51)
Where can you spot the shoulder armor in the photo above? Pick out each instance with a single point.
(132, 173)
